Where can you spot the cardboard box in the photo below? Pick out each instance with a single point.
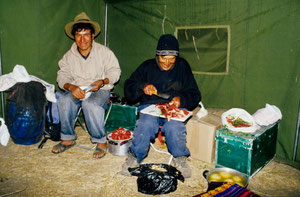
(201, 134)
(245, 152)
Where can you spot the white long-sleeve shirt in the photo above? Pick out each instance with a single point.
(101, 63)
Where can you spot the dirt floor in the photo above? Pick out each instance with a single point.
(29, 171)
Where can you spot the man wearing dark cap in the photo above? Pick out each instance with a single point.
(169, 74)
(86, 64)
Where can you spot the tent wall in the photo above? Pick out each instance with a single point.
(264, 45)
(32, 32)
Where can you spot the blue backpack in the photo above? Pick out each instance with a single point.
(52, 124)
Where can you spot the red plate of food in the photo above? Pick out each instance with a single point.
(170, 112)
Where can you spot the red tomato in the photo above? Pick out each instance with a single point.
(120, 134)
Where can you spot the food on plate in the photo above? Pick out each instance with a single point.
(120, 134)
(237, 122)
(171, 111)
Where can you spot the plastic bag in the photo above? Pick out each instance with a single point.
(202, 112)
(156, 178)
(25, 112)
(237, 119)
(4, 135)
(24, 125)
(268, 115)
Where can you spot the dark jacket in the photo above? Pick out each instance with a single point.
(178, 81)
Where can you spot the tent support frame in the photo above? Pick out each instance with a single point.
(296, 135)
(2, 94)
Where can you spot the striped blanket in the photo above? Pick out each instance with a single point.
(229, 190)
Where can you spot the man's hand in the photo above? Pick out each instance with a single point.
(99, 84)
(149, 89)
(76, 91)
(176, 101)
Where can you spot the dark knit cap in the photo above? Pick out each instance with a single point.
(167, 45)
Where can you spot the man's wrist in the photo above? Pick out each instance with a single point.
(67, 86)
(103, 83)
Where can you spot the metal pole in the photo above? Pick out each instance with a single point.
(296, 135)
(105, 25)
(2, 94)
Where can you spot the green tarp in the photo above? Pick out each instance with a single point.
(260, 51)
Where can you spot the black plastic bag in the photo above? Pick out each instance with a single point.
(156, 178)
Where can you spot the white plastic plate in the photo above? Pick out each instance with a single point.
(154, 111)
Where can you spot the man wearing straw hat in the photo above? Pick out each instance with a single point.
(87, 73)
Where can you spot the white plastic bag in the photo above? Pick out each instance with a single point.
(202, 112)
(20, 74)
(235, 114)
(4, 135)
(268, 115)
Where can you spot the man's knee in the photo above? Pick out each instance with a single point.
(174, 125)
(149, 124)
(65, 97)
(64, 100)
(91, 106)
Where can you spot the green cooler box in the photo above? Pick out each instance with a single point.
(118, 115)
(245, 152)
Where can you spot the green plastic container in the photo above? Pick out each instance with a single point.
(118, 115)
(245, 152)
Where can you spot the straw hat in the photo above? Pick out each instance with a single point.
(81, 18)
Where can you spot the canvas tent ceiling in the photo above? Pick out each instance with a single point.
(263, 66)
